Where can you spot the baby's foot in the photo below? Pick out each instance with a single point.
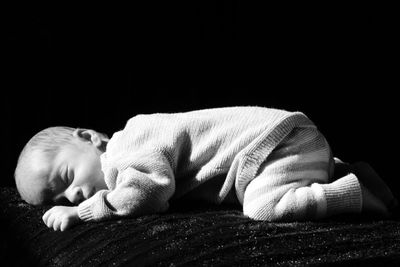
(372, 205)
(374, 183)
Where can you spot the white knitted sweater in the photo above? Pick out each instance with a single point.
(157, 157)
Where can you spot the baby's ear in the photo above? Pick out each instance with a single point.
(104, 141)
(104, 137)
(89, 135)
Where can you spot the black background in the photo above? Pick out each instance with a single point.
(95, 67)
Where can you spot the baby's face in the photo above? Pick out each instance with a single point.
(75, 173)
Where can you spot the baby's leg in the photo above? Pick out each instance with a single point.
(377, 196)
(300, 193)
(293, 184)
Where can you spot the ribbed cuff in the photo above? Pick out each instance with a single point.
(86, 209)
(85, 213)
(343, 195)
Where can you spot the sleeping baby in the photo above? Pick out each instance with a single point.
(274, 163)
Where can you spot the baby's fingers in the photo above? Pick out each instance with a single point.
(49, 218)
(50, 221)
(68, 222)
(46, 216)
(57, 225)
(65, 224)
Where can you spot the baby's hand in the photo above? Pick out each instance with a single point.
(61, 217)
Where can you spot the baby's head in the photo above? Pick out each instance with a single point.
(61, 165)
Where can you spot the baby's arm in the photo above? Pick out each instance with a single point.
(144, 187)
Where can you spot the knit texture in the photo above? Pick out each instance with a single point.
(157, 158)
(284, 188)
(343, 195)
(294, 183)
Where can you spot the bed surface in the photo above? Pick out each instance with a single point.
(202, 236)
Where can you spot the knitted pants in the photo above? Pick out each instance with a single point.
(287, 186)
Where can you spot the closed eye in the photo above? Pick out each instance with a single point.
(68, 177)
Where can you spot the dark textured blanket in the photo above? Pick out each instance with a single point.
(202, 236)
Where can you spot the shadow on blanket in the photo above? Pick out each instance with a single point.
(203, 236)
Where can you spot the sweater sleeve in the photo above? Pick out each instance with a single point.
(142, 189)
